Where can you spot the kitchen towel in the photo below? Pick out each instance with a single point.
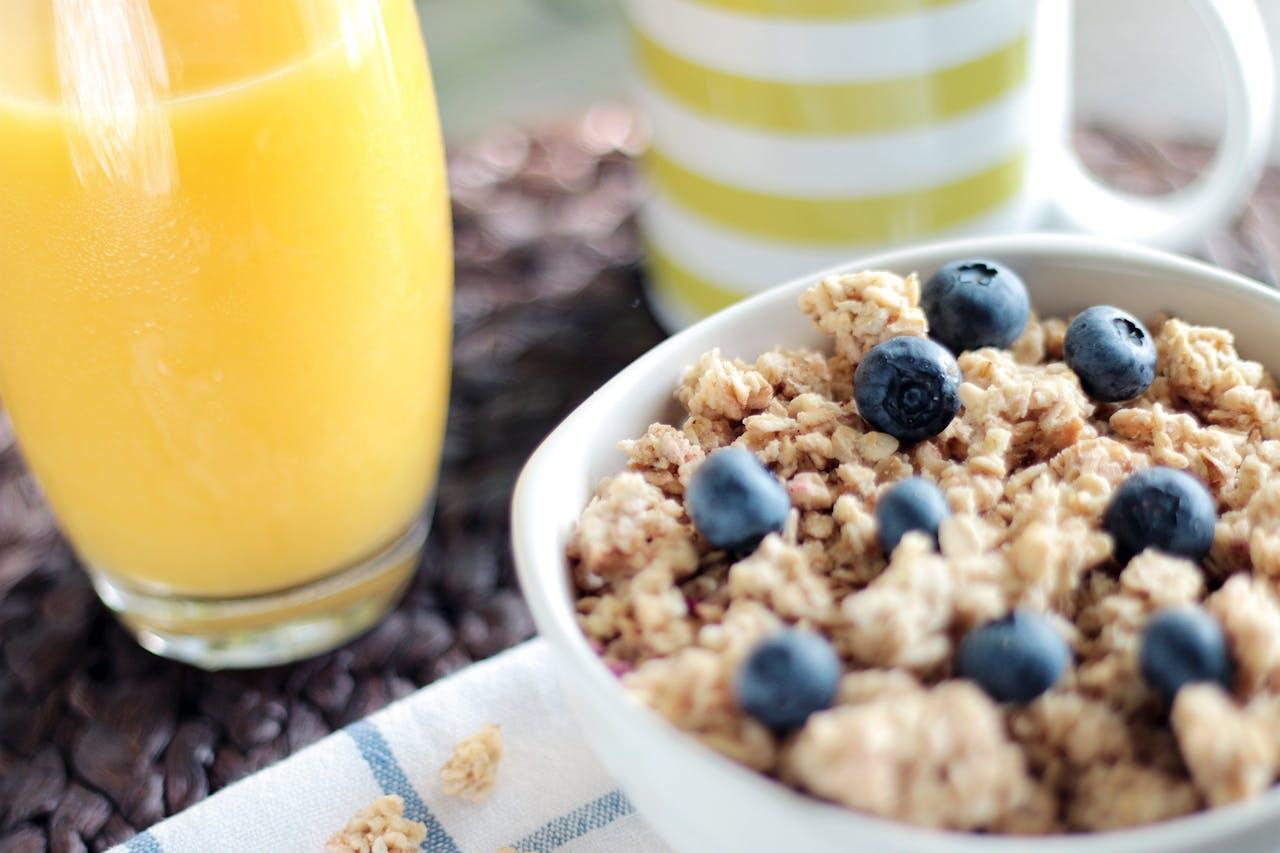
(551, 793)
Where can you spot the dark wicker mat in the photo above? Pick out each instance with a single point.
(99, 739)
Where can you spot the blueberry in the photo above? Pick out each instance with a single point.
(1161, 508)
(910, 504)
(1111, 352)
(786, 678)
(734, 501)
(1182, 645)
(975, 303)
(1014, 659)
(908, 388)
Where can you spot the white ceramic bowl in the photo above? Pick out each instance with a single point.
(701, 802)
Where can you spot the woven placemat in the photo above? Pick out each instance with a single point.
(99, 739)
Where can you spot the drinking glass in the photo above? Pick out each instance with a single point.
(225, 286)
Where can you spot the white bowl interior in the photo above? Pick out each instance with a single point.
(700, 801)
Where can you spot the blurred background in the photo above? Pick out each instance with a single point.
(1141, 64)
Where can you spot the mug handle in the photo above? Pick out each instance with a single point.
(1182, 219)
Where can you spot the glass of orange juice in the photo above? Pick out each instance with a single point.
(225, 284)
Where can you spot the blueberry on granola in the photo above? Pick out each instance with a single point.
(734, 501)
(1111, 352)
(911, 504)
(908, 387)
(1015, 658)
(1183, 645)
(975, 303)
(786, 678)
(1161, 508)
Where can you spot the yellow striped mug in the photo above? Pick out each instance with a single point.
(790, 135)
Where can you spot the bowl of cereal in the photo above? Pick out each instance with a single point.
(964, 546)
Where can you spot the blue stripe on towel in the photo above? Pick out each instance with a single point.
(390, 776)
(143, 842)
(577, 823)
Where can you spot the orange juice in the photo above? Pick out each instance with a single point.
(225, 281)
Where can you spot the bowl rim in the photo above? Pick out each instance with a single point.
(556, 624)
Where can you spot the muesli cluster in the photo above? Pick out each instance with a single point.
(380, 827)
(471, 772)
(1020, 576)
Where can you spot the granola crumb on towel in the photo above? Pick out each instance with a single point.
(472, 769)
(380, 827)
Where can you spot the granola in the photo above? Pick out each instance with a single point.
(472, 768)
(380, 827)
(1028, 467)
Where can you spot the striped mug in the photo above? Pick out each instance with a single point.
(791, 135)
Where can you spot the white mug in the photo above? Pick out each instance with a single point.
(792, 135)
